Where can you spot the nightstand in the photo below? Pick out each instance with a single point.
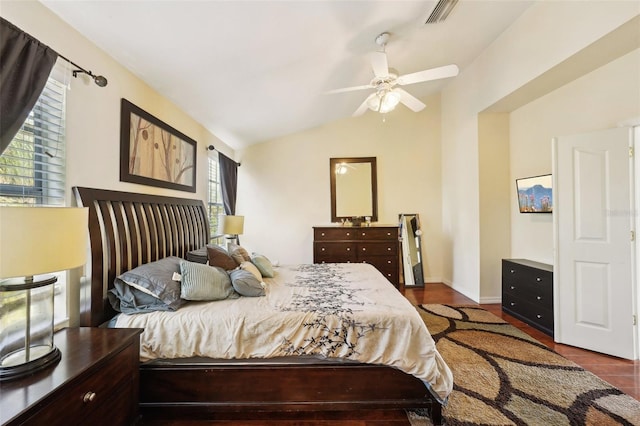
(95, 382)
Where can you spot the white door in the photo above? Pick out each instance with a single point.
(593, 225)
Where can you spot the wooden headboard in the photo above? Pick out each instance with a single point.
(128, 229)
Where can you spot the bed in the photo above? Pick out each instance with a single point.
(128, 230)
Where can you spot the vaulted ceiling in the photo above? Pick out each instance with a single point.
(250, 71)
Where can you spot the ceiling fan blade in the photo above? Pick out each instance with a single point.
(349, 89)
(379, 64)
(363, 106)
(413, 103)
(430, 74)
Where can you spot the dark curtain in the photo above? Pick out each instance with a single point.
(229, 183)
(25, 65)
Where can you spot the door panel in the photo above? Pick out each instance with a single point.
(593, 224)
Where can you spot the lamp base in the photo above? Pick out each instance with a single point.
(13, 365)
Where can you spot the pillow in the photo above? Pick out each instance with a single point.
(250, 267)
(219, 257)
(239, 253)
(203, 282)
(156, 279)
(199, 256)
(246, 284)
(263, 264)
(130, 300)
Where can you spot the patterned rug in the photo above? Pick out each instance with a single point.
(504, 377)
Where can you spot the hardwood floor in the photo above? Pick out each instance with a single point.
(623, 374)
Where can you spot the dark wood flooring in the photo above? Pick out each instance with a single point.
(623, 374)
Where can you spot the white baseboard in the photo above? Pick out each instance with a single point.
(490, 300)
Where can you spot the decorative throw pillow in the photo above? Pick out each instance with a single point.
(203, 282)
(239, 253)
(156, 279)
(263, 264)
(250, 267)
(219, 257)
(246, 284)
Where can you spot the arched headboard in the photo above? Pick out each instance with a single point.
(128, 229)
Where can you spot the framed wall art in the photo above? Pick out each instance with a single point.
(154, 153)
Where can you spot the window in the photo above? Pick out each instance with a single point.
(32, 168)
(215, 205)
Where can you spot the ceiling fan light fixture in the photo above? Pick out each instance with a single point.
(383, 101)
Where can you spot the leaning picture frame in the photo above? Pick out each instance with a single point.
(154, 153)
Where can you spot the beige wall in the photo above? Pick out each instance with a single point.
(494, 183)
(599, 100)
(93, 113)
(284, 183)
(547, 34)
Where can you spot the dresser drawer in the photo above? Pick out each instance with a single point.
(386, 265)
(333, 234)
(85, 400)
(377, 249)
(377, 234)
(535, 315)
(335, 250)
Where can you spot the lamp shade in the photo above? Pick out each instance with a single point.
(231, 225)
(39, 240)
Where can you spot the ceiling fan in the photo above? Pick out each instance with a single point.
(385, 81)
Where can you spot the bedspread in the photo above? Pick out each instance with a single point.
(343, 311)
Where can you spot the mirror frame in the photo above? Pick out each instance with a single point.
(374, 185)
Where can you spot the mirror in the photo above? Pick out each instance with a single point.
(354, 188)
(410, 233)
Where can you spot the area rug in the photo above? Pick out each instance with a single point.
(502, 376)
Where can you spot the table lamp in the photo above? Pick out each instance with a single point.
(34, 241)
(232, 226)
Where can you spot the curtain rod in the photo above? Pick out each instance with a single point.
(99, 79)
(213, 148)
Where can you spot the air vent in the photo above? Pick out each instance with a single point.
(441, 11)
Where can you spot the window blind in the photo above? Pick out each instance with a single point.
(215, 197)
(32, 168)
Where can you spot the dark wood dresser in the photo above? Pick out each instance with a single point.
(527, 292)
(375, 244)
(95, 382)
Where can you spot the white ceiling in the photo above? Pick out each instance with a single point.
(250, 71)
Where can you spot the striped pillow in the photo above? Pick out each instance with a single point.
(204, 282)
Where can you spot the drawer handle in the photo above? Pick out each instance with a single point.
(388, 234)
(512, 271)
(388, 261)
(322, 249)
(322, 234)
(538, 297)
(89, 396)
(538, 316)
(513, 287)
(348, 234)
(364, 249)
(513, 303)
(388, 248)
(348, 248)
(538, 279)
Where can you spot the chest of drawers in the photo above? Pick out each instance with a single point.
(376, 245)
(527, 292)
(95, 382)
